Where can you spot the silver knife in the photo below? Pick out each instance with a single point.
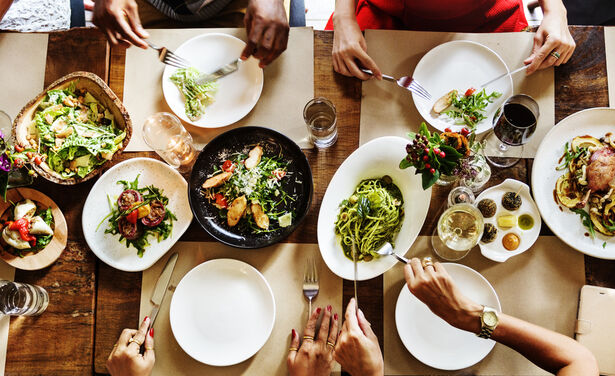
(224, 70)
(504, 75)
(161, 287)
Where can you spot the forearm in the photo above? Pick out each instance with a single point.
(552, 6)
(4, 7)
(345, 9)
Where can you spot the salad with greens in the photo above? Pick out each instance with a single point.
(75, 132)
(139, 214)
(247, 190)
(467, 108)
(197, 96)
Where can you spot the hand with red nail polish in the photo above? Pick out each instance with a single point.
(357, 348)
(126, 358)
(312, 354)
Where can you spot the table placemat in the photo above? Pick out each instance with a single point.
(288, 86)
(540, 286)
(609, 43)
(23, 58)
(389, 110)
(282, 265)
(7, 272)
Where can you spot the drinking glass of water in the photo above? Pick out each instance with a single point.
(321, 119)
(513, 125)
(22, 299)
(165, 134)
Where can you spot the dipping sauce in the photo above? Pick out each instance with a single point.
(511, 241)
(526, 222)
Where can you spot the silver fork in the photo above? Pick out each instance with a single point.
(169, 58)
(407, 83)
(310, 282)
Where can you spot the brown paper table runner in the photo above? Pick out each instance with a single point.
(282, 265)
(7, 272)
(609, 42)
(541, 286)
(288, 85)
(388, 110)
(22, 58)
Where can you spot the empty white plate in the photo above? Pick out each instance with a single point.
(222, 312)
(432, 340)
(237, 93)
(460, 65)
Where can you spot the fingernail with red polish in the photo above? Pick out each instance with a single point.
(335, 317)
(151, 332)
(329, 308)
(318, 310)
(294, 333)
(146, 317)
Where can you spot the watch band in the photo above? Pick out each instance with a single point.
(485, 332)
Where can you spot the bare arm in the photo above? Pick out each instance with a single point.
(4, 7)
(549, 350)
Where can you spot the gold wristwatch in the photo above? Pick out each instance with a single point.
(488, 321)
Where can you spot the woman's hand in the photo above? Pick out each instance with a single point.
(551, 40)
(432, 285)
(125, 358)
(350, 49)
(267, 29)
(119, 20)
(357, 348)
(314, 356)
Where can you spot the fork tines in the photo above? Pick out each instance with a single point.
(419, 90)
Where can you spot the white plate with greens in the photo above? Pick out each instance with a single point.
(236, 94)
(460, 65)
(108, 247)
(373, 160)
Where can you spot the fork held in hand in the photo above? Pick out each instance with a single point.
(407, 83)
(168, 57)
(310, 282)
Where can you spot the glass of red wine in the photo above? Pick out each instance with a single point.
(513, 125)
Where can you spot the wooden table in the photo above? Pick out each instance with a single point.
(90, 302)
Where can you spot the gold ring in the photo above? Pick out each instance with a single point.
(310, 338)
(329, 343)
(132, 340)
(555, 54)
(148, 348)
(427, 262)
(115, 345)
(292, 349)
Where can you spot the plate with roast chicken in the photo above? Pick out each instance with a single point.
(573, 179)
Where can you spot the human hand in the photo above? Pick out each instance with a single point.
(314, 356)
(432, 285)
(267, 29)
(357, 348)
(350, 49)
(125, 358)
(552, 39)
(119, 20)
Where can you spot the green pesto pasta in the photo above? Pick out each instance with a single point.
(370, 217)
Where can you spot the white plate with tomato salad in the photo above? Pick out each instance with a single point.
(105, 194)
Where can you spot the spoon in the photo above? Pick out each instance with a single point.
(387, 250)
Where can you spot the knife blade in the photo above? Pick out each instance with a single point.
(504, 75)
(161, 287)
(224, 70)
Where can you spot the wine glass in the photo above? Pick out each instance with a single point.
(165, 134)
(459, 229)
(513, 125)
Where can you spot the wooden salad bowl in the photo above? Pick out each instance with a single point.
(99, 90)
(53, 250)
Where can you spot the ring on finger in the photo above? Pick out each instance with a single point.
(292, 349)
(149, 348)
(331, 344)
(555, 54)
(133, 340)
(427, 261)
(308, 338)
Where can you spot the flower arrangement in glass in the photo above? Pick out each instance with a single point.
(14, 166)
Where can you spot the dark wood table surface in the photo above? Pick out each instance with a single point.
(90, 303)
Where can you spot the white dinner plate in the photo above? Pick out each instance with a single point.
(460, 65)
(237, 93)
(108, 247)
(495, 250)
(375, 159)
(432, 340)
(565, 224)
(222, 312)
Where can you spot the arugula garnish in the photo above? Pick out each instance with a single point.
(587, 221)
(469, 109)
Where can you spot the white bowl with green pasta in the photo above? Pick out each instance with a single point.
(390, 204)
(218, 103)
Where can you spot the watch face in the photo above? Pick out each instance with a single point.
(490, 318)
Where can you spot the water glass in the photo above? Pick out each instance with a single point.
(321, 119)
(22, 299)
(165, 134)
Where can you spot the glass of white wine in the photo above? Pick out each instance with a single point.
(459, 229)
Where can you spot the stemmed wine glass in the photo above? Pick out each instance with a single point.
(513, 125)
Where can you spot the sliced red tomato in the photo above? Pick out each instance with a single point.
(221, 200)
(228, 166)
(470, 91)
(278, 174)
(133, 216)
